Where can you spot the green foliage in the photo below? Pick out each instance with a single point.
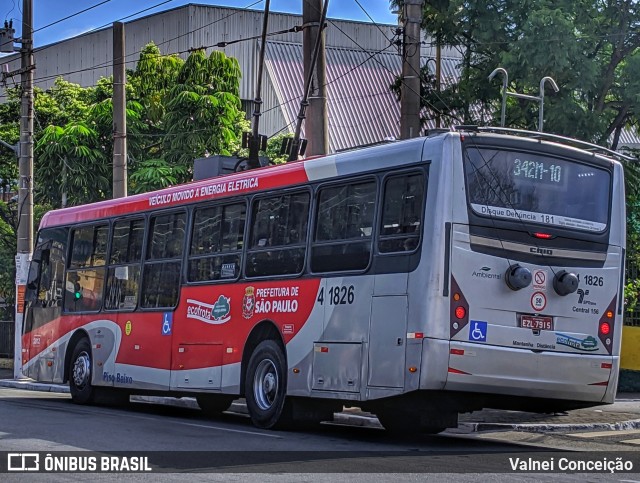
(154, 174)
(591, 49)
(274, 145)
(203, 109)
(176, 111)
(70, 168)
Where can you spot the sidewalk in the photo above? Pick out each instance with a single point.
(623, 414)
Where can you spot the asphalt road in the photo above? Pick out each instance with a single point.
(229, 448)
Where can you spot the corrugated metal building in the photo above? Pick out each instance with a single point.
(362, 63)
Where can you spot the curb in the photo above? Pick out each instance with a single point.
(29, 385)
(546, 428)
(347, 417)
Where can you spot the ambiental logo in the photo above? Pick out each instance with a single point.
(484, 273)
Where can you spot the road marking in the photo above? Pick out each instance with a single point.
(206, 426)
(631, 441)
(598, 434)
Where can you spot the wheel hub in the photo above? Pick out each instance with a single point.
(81, 370)
(265, 384)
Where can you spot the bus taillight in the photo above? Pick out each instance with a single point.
(606, 326)
(459, 309)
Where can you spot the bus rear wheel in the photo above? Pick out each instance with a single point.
(266, 386)
(80, 387)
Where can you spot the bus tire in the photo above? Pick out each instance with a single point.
(82, 392)
(214, 404)
(266, 386)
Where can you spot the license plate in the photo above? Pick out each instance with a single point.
(536, 322)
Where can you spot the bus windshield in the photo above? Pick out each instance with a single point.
(537, 188)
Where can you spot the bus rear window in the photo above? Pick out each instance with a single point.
(536, 188)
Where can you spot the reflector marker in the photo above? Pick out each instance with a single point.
(457, 371)
(415, 335)
(321, 349)
(457, 352)
(606, 365)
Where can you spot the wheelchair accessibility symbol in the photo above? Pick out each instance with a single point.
(167, 323)
(478, 331)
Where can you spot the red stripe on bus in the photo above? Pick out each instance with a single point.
(457, 371)
(197, 191)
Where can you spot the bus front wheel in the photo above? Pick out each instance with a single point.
(80, 387)
(266, 386)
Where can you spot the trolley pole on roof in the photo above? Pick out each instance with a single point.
(25, 180)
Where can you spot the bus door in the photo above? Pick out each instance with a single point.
(388, 331)
(398, 254)
(196, 360)
(43, 305)
(144, 357)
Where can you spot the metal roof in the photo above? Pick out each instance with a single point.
(361, 107)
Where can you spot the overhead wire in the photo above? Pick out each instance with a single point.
(418, 73)
(426, 101)
(222, 44)
(70, 16)
(296, 28)
(109, 63)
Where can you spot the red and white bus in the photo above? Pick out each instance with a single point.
(417, 279)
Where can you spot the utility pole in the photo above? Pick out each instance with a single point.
(316, 126)
(25, 181)
(119, 113)
(297, 146)
(410, 92)
(438, 76)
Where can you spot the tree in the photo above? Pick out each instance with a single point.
(70, 169)
(203, 110)
(591, 49)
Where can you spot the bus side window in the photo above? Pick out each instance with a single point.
(401, 213)
(278, 235)
(161, 272)
(343, 230)
(84, 285)
(123, 275)
(216, 243)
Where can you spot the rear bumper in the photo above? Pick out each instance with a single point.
(521, 372)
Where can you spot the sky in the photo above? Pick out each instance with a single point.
(46, 12)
